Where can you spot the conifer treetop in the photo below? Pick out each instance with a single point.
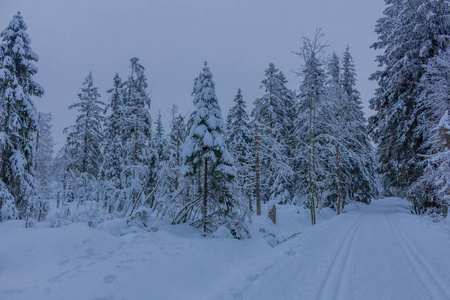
(208, 128)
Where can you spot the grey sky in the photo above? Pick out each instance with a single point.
(173, 38)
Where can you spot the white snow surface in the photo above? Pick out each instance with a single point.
(380, 251)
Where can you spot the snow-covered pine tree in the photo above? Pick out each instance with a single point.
(139, 163)
(432, 109)
(362, 187)
(177, 137)
(65, 178)
(272, 116)
(44, 157)
(159, 142)
(113, 158)
(410, 33)
(310, 174)
(240, 145)
(85, 139)
(174, 195)
(18, 120)
(431, 192)
(165, 177)
(206, 157)
(334, 138)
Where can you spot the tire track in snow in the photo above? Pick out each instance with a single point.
(431, 282)
(330, 287)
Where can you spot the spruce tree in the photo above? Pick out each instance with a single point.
(44, 157)
(139, 163)
(85, 139)
(206, 157)
(113, 158)
(177, 137)
(362, 174)
(410, 33)
(308, 155)
(272, 118)
(431, 189)
(18, 119)
(336, 136)
(159, 142)
(240, 144)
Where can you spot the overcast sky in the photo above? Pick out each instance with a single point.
(173, 38)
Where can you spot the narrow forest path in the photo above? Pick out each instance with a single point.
(379, 251)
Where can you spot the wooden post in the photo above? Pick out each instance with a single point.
(250, 204)
(273, 214)
(338, 158)
(205, 197)
(445, 143)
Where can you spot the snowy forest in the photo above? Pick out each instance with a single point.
(311, 149)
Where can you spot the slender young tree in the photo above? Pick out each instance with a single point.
(18, 119)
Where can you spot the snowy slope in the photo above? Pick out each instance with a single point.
(371, 252)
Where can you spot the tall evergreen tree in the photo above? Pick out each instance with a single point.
(139, 164)
(206, 156)
(410, 33)
(18, 118)
(85, 139)
(87, 130)
(431, 189)
(113, 158)
(362, 175)
(177, 137)
(272, 116)
(308, 155)
(159, 141)
(240, 143)
(336, 135)
(44, 156)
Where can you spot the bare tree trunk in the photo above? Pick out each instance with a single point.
(250, 204)
(205, 197)
(258, 192)
(178, 159)
(311, 163)
(338, 158)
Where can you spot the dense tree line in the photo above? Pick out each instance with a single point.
(307, 147)
(295, 147)
(411, 100)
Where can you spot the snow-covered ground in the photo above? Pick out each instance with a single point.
(379, 251)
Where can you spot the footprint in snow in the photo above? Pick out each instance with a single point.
(290, 252)
(110, 278)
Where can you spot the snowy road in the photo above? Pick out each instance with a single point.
(379, 251)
